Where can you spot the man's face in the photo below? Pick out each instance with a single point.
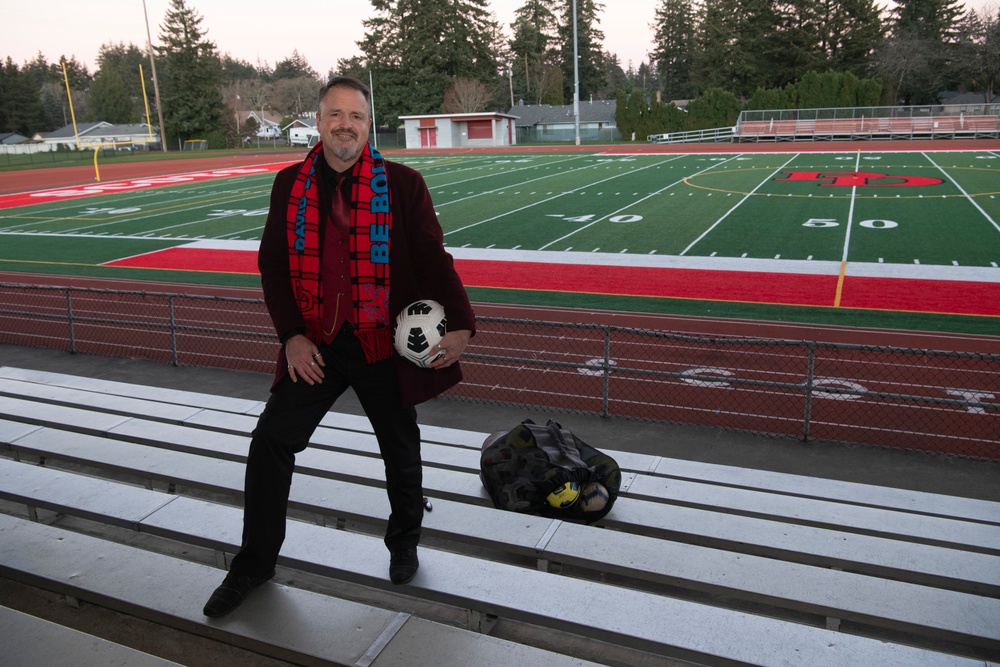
(343, 125)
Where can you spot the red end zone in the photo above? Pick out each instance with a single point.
(792, 289)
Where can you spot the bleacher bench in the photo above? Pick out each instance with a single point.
(720, 532)
(41, 643)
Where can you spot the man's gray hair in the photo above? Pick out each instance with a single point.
(345, 82)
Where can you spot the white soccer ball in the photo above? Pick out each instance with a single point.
(593, 497)
(419, 328)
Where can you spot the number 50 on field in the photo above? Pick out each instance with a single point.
(868, 224)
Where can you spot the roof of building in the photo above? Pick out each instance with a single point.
(460, 116)
(9, 138)
(67, 131)
(308, 123)
(269, 116)
(591, 111)
(968, 98)
(99, 129)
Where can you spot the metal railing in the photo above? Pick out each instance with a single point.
(715, 135)
(857, 113)
(896, 397)
(940, 121)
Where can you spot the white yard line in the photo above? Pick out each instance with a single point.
(638, 201)
(738, 204)
(972, 200)
(554, 197)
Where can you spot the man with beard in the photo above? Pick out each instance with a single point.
(343, 226)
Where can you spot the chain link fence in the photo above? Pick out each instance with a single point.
(894, 397)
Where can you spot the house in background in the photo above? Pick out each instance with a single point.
(103, 134)
(302, 131)
(268, 122)
(459, 130)
(539, 123)
(973, 101)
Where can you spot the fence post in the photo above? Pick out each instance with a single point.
(173, 332)
(69, 320)
(810, 373)
(606, 401)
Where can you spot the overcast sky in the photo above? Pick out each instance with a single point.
(254, 30)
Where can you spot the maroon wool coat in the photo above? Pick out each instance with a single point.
(419, 268)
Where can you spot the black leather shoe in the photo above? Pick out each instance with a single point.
(231, 593)
(403, 564)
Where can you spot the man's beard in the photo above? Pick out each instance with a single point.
(346, 152)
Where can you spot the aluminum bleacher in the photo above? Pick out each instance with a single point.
(862, 129)
(705, 563)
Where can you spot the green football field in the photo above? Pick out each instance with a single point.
(926, 217)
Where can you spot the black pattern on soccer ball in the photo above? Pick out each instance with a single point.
(419, 328)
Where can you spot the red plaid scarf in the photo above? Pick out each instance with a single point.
(370, 224)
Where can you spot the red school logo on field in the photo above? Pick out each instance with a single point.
(858, 179)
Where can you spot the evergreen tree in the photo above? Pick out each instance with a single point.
(919, 57)
(622, 121)
(534, 52)
(614, 76)
(76, 72)
(116, 94)
(716, 108)
(588, 48)
(765, 53)
(766, 99)
(20, 101)
(849, 32)
(717, 46)
(294, 67)
(109, 100)
(673, 47)
(980, 52)
(40, 71)
(234, 69)
(191, 80)
(935, 20)
(986, 73)
(415, 49)
(355, 66)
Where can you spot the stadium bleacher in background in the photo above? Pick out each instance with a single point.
(946, 121)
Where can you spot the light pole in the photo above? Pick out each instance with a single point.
(156, 86)
(576, 79)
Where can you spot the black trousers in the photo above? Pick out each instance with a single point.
(292, 413)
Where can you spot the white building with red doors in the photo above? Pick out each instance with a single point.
(460, 130)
